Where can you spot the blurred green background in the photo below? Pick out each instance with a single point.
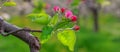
(106, 40)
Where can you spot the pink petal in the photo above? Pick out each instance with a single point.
(56, 8)
(68, 14)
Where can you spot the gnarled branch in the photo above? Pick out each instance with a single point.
(32, 41)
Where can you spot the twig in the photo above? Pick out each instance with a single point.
(24, 29)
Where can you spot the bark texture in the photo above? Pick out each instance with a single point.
(32, 41)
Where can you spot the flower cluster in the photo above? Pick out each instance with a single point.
(68, 15)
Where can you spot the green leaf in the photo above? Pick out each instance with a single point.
(31, 16)
(9, 3)
(105, 3)
(41, 18)
(62, 24)
(99, 1)
(67, 37)
(54, 20)
(46, 34)
(75, 3)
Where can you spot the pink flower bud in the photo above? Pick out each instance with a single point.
(68, 14)
(63, 10)
(74, 18)
(76, 28)
(56, 8)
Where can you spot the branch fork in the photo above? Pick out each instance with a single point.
(23, 34)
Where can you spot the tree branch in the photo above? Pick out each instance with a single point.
(24, 29)
(32, 41)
